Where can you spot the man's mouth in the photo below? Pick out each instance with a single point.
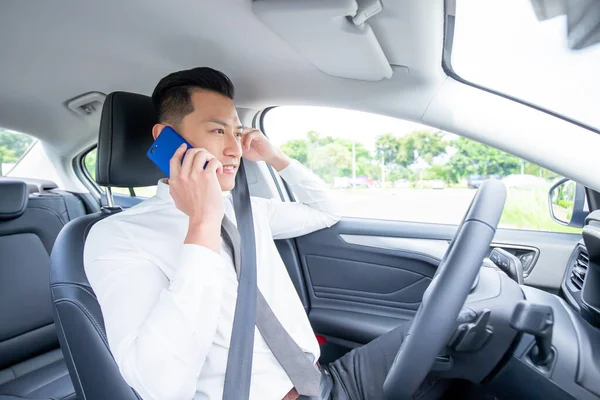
(229, 169)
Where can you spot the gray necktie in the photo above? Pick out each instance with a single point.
(299, 368)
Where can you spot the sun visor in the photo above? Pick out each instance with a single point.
(331, 34)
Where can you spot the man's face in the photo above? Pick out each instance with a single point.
(214, 125)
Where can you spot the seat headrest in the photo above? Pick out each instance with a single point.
(125, 137)
(13, 198)
(35, 185)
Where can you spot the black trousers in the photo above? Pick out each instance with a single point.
(359, 374)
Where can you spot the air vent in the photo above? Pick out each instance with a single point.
(580, 267)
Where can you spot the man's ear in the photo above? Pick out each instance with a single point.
(157, 129)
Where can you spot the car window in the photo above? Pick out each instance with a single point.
(385, 168)
(89, 161)
(526, 60)
(13, 146)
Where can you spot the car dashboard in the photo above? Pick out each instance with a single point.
(574, 372)
(581, 296)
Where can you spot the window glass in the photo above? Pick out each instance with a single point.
(89, 161)
(385, 168)
(501, 44)
(13, 146)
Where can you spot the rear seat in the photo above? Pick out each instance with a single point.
(31, 362)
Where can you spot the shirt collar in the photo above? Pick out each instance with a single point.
(163, 192)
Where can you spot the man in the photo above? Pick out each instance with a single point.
(166, 281)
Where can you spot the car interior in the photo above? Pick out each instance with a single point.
(76, 76)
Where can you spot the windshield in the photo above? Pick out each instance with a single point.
(502, 46)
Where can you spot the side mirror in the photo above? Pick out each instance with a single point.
(567, 202)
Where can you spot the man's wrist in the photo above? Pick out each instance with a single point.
(279, 161)
(206, 234)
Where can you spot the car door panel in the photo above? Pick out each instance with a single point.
(361, 278)
(339, 270)
(429, 248)
(392, 285)
(353, 328)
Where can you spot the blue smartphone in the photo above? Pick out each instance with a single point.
(164, 147)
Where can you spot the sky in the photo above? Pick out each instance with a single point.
(499, 44)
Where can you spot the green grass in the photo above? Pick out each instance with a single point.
(528, 209)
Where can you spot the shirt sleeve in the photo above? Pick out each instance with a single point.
(159, 330)
(314, 209)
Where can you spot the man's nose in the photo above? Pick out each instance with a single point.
(233, 146)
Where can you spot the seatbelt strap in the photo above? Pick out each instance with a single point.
(241, 347)
(298, 366)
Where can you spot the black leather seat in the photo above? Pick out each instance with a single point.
(31, 363)
(125, 136)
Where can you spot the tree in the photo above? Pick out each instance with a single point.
(296, 149)
(395, 172)
(15, 142)
(408, 149)
(12, 146)
(474, 158)
(328, 161)
(533, 169)
(313, 136)
(90, 162)
(331, 157)
(366, 166)
(437, 172)
(387, 147)
(423, 145)
(399, 153)
(7, 155)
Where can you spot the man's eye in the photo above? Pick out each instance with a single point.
(239, 134)
(221, 131)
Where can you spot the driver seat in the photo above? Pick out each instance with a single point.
(124, 137)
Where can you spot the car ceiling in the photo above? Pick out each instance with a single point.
(55, 51)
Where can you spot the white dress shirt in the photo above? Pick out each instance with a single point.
(168, 307)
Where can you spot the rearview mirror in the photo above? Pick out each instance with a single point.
(567, 203)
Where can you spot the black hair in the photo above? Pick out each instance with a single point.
(172, 95)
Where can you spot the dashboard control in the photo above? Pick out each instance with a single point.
(527, 260)
(472, 335)
(590, 290)
(508, 263)
(537, 320)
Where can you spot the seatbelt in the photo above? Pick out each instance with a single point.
(241, 347)
(298, 366)
(305, 376)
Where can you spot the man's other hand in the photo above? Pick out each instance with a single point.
(256, 147)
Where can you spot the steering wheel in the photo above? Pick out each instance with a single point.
(435, 320)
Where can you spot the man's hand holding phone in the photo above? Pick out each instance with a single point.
(196, 191)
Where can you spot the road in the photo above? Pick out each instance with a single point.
(445, 206)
